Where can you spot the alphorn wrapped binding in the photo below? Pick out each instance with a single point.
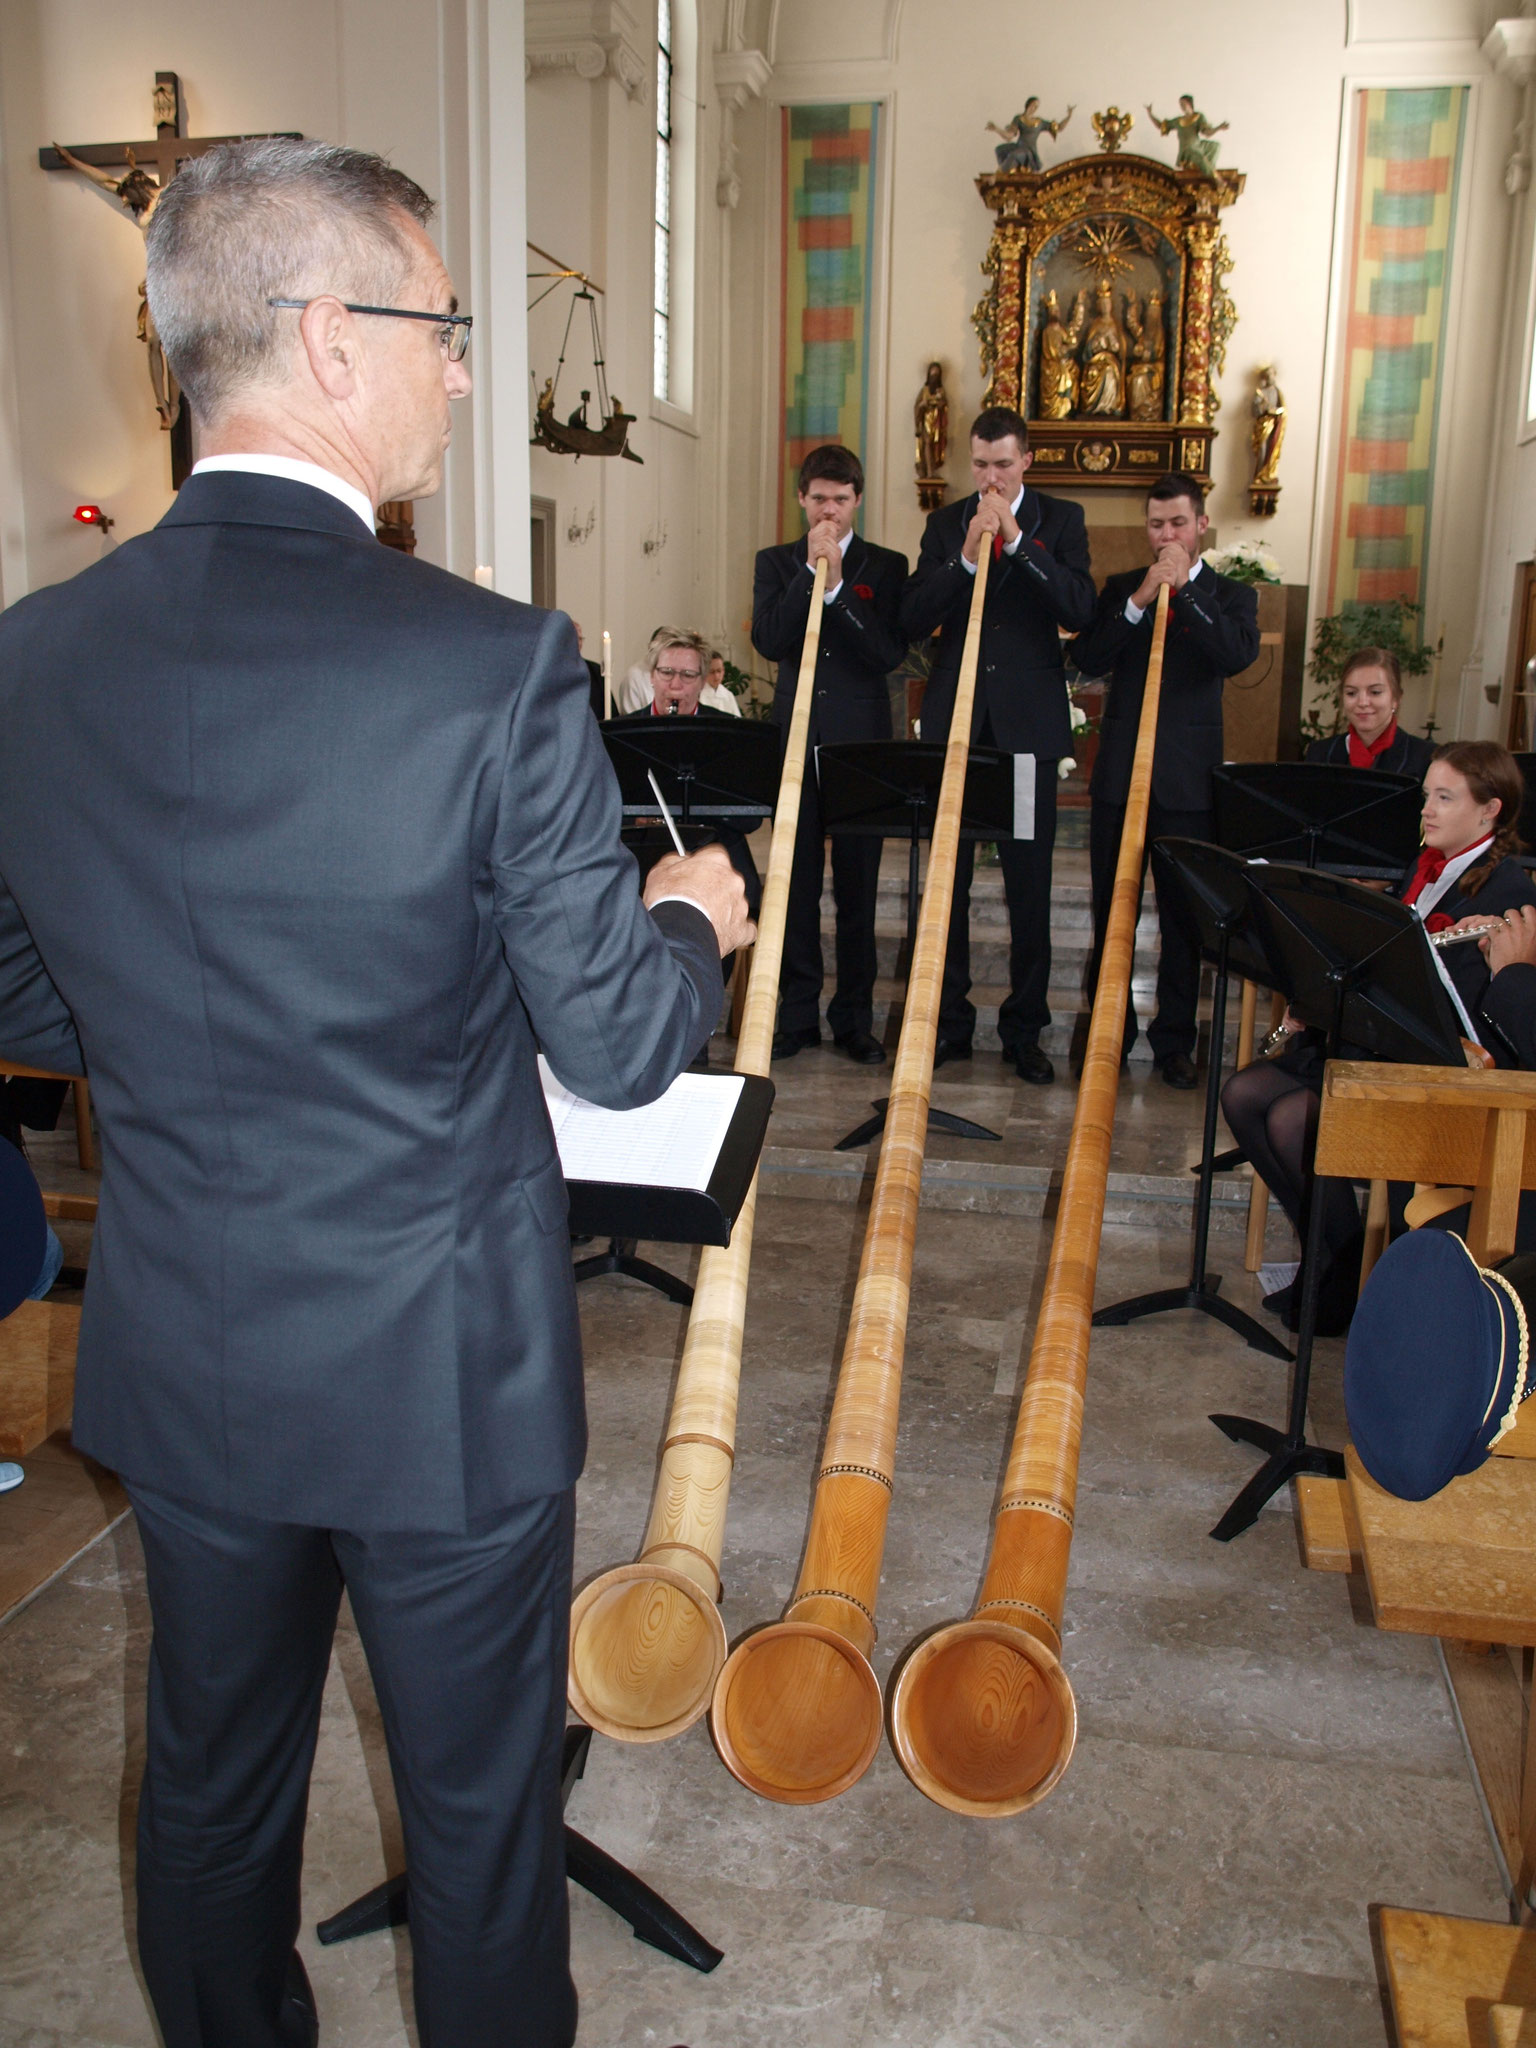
(797, 1710)
(647, 1641)
(982, 1714)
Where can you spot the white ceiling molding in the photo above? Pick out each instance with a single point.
(590, 39)
(1510, 47)
(740, 75)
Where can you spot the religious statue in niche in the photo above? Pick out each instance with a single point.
(1149, 343)
(930, 421)
(1060, 375)
(1267, 436)
(119, 169)
(1106, 315)
(1102, 395)
(1019, 149)
(1197, 151)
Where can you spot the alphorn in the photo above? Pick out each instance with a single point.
(982, 1715)
(647, 1641)
(796, 1713)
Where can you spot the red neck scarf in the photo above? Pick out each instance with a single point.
(1363, 756)
(1429, 867)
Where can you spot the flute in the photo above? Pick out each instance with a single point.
(1453, 935)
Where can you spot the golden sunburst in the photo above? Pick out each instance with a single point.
(1102, 246)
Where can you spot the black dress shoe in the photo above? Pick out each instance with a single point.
(787, 1043)
(299, 2023)
(1031, 1065)
(1178, 1070)
(947, 1049)
(862, 1047)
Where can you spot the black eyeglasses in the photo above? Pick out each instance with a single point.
(453, 327)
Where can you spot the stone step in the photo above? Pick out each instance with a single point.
(1159, 1201)
(1069, 1018)
(989, 952)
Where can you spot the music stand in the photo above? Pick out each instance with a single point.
(1350, 821)
(724, 770)
(1526, 763)
(626, 1211)
(1215, 887)
(653, 1920)
(1357, 965)
(889, 789)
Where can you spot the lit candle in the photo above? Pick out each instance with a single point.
(607, 675)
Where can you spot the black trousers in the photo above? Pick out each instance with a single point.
(466, 1641)
(855, 886)
(1175, 1027)
(1026, 866)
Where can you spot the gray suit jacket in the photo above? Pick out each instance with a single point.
(304, 845)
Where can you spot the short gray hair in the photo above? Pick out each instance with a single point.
(665, 638)
(253, 221)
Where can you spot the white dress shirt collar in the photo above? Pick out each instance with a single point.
(294, 472)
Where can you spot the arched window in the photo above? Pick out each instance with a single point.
(672, 275)
(661, 298)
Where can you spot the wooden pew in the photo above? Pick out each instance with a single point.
(37, 1354)
(1459, 1983)
(85, 1140)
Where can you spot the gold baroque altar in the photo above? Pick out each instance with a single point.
(1105, 318)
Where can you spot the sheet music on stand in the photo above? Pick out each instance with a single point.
(673, 1142)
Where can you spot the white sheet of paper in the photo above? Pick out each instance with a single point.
(673, 1142)
(1023, 796)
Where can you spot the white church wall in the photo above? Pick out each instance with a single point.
(636, 544)
(439, 87)
(1283, 84)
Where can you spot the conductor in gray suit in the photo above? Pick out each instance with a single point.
(305, 848)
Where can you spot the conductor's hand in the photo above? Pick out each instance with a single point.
(1171, 567)
(707, 879)
(1512, 938)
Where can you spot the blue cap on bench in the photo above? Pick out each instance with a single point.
(23, 1229)
(1437, 1361)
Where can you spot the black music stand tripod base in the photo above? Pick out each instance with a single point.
(655, 1922)
(1208, 1301)
(1200, 1291)
(1284, 1461)
(938, 1120)
(620, 1258)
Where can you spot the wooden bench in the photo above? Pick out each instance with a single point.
(85, 1141)
(37, 1355)
(1459, 1983)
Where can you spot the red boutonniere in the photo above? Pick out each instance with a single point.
(863, 590)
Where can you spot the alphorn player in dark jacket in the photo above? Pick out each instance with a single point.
(1213, 632)
(1040, 580)
(861, 642)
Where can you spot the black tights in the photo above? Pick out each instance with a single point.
(1273, 1117)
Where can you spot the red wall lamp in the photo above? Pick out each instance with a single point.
(92, 515)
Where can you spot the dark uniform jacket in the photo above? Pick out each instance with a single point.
(1021, 681)
(1506, 886)
(1407, 755)
(1509, 1004)
(308, 883)
(1213, 632)
(861, 639)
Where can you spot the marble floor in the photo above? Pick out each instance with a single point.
(1257, 1766)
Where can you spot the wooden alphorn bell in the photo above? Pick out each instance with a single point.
(797, 1711)
(982, 1715)
(647, 1641)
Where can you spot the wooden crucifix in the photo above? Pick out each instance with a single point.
(136, 173)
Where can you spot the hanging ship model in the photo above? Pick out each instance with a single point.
(575, 435)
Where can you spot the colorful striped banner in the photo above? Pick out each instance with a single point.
(1392, 347)
(828, 216)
